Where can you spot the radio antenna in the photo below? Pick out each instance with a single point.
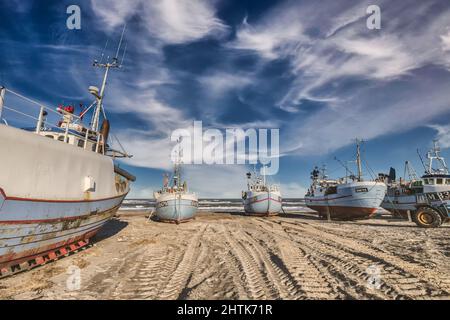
(123, 55)
(103, 52)
(100, 95)
(120, 42)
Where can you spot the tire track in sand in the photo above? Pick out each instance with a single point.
(312, 282)
(182, 274)
(213, 276)
(257, 286)
(159, 262)
(345, 280)
(356, 258)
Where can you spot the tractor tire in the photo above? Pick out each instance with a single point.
(427, 217)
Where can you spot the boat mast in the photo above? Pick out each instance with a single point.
(264, 175)
(324, 170)
(108, 65)
(435, 154)
(412, 175)
(2, 99)
(177, 174)
(358, 158)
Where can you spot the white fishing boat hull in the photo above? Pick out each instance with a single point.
(175, 207)
(53, 196)
(355, 200)
(262, 203)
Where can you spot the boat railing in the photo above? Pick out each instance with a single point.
(67, 119)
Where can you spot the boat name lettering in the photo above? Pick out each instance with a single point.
(436, 196)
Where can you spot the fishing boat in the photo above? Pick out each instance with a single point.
(59, 181)
(345, 198)
(174, 202)
(261, 198)
(402, 195)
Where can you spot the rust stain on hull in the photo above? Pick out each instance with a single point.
(15, 257)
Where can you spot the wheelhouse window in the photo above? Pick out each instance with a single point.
(331, 190)
(447, 181)
(418, 183)
(439, 181)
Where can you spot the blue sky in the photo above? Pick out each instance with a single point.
(311, 68)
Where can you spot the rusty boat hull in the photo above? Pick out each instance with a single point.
(54, 197)
(31, 229)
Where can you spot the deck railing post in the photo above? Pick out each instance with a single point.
(66, 133)
(40, 120)
(86, 138)
(2, 99)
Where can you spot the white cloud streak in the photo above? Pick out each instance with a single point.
(342, 48)
(171, 21)
(443, 135)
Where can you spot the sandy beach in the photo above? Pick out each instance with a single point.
(230, 256)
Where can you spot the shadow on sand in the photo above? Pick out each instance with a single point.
(382, 220)
(109, 229)
(299, 215)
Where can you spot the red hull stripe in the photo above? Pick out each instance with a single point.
(57, 201)
(264, 200)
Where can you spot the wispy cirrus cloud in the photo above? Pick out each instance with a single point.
(443, 134)
(329, 57)
(171, 21)
(270, 39)
(311, 69)
(445, 40)
(219, 83)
